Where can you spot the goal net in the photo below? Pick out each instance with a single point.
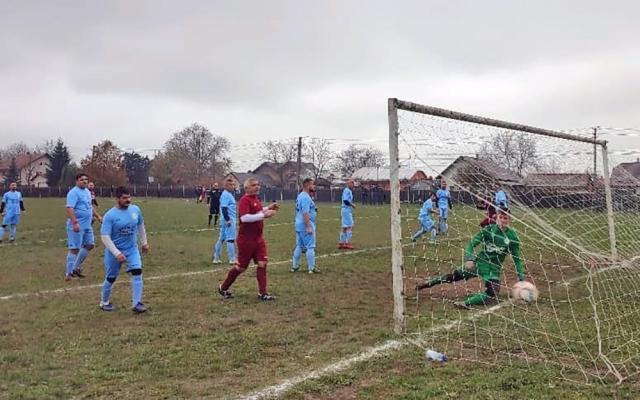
(576, 230)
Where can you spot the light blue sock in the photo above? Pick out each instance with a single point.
(71, 259)
(231, 251)
(311, 258)
(349, 236)
(297, 252)
(12, 231)
(106, 291)
(1, 232)
(136, 289)
(417, 234)
(433, 233)
(82, 255)
(343, 237)
(217, 250)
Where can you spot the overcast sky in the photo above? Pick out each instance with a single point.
(137, 71)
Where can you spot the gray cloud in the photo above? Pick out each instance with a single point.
(135, 72)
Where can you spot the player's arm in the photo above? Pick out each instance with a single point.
(516, 254)
(2, 206)
(225, 214)
(96, 215)
(449, 201)
(142, 234)
(105, 236)
(74, 220)
(22, 205)
(469, 250)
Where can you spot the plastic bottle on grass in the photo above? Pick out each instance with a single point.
(433, 355)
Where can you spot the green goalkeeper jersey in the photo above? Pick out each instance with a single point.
(496, 244)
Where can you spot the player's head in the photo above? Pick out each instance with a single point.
(309, 185)
(13, 186)
(351, 183)
(215, 185)
(91, 185)
(252, 186)
(123, 197)
(503, 218)
(82, 180)
(432, 196)
(443, 184)
(229, 184)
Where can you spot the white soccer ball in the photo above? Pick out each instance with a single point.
(524, 291)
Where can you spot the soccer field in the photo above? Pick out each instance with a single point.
(57, 343)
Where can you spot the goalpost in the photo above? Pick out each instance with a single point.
(564, 214)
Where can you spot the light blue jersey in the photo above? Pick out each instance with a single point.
(122, 226)
(227, 200)
(425, 211)
(80, 200)
(501, 199)
(444, 196)
(304, 205)
(11, 202)
(347, 195)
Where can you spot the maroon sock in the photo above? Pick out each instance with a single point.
(231, 277)
(261, 275)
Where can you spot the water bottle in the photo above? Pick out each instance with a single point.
(435, 356)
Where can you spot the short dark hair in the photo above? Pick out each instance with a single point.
(120, 190)
(502, 210)
(80, 175)
(307, 180)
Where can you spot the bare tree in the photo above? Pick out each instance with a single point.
(318, 152)
(279, 153)
(194, 154)
(14, 150)
(355, 157)
(516, 152)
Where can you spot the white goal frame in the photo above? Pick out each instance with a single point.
(397, 265)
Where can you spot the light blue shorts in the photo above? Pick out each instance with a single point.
(305, 240)
(112, 265)
(11, 219)
(76, 240)
(444, 212)
(347, 218)
(227, 232)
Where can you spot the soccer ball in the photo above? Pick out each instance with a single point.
(525, 291)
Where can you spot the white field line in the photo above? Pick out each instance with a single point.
(383, 349)
(344, 364)
(176, 275)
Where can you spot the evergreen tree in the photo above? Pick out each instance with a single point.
(13, 175)
(60, 159)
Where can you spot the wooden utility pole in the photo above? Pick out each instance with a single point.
(299, 162)
(595, 137)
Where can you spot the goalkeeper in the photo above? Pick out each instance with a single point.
(497, 241)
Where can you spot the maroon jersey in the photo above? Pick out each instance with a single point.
(249, 205)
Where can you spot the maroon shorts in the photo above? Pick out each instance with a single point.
(248, 250)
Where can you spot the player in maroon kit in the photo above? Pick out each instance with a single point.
(251, 244)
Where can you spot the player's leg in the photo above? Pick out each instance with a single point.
(13, 227)
(297, 252)
(215, 218)
(210, 217)
(2, 228)
(421, 231)
(88, 243)
(74, 243)
(343, 228)
(492, 289)
(309, 241)
(111, 272)
(349, 233)
(259, 255)
(134, 268)
(217, 248)
(230, 237)
(459, 274)
(245, 251)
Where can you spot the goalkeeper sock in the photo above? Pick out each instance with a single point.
(477, 299)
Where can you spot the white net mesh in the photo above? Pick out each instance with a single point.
(584, 325)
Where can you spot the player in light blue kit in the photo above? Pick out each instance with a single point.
(346, 212)
(80, 238)
(11, 208)
(305, 225)
(424, 217)
(121, 227)
(501, 198)
(227, 224)
(444, 205)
